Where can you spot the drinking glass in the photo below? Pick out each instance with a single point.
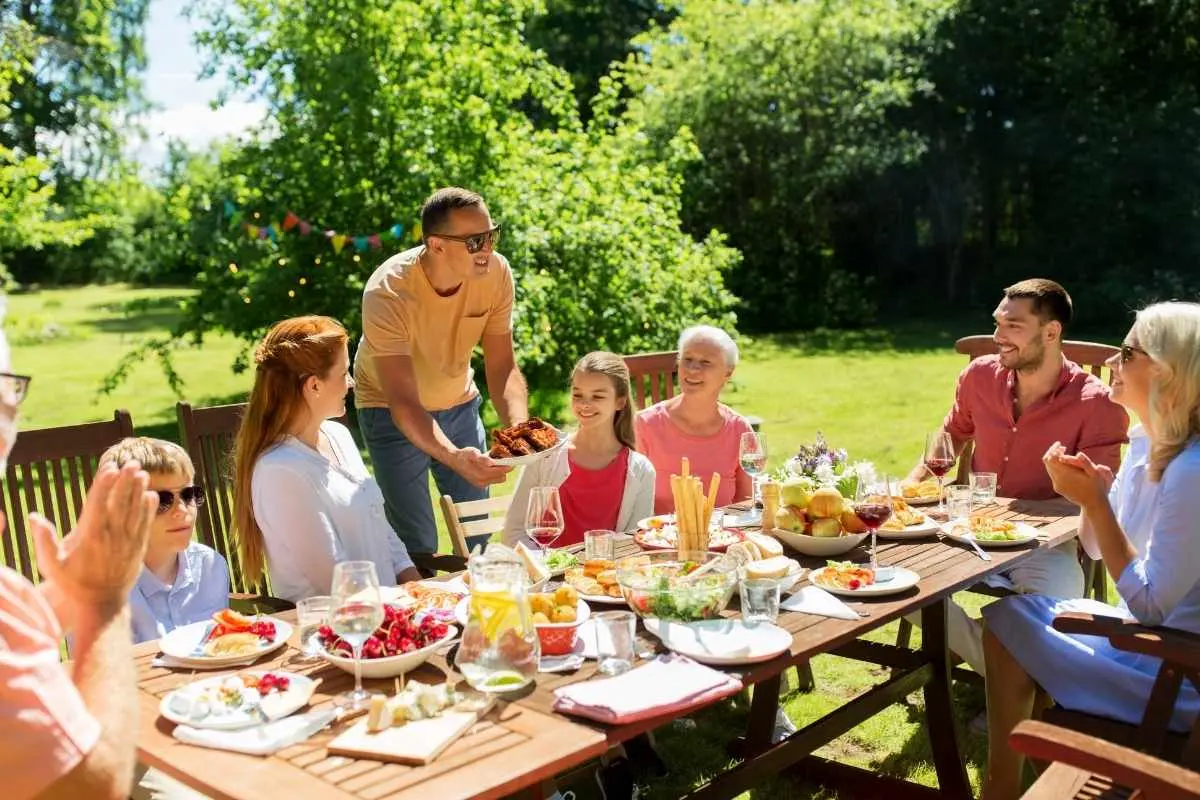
(939, 459)
(356, 610)
(614, 641)
(311, 614)
(958, 500)
(599, 545)
(752, 454)
(983, 487)
(760, 599)
(873, 505)
(544, 516)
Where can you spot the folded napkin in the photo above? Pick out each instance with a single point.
(261, 740)
(171, 662)
(815, 600)
(668, 684)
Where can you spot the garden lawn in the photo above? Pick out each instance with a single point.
(874, 392)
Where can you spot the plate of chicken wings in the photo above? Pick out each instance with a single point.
(528, 441)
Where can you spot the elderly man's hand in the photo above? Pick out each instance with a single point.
(98, 563)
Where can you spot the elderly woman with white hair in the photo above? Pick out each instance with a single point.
(694, 423)
(1142, 524)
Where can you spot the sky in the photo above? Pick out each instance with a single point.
(180, 99)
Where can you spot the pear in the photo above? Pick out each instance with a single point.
(826, 502)
(795, 492)
(791, 518)
(826, 527)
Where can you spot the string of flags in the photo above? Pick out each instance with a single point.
(293, 224)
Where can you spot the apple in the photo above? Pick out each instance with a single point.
(795, 492)
(790, 518)
(826, 527)
(826, 502)
(852, 523)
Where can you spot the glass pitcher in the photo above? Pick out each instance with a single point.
(499, 651)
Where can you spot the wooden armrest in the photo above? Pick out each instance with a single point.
(258, 603)
(1155, 777)
(1169, 644)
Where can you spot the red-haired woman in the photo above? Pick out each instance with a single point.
(303, 499)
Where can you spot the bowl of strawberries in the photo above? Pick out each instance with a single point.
(402, 643)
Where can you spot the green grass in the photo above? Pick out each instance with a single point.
(874, 392)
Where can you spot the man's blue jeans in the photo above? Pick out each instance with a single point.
(402, 470)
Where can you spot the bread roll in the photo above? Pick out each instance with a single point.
(775, 567)
(741, 554)
(752, 549)
(768, 546)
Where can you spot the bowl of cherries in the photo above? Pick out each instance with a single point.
(402, 643)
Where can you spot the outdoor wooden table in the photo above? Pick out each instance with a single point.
(525, 742)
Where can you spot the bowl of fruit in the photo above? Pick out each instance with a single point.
(687, 586)
(557, 616)
(402, 643)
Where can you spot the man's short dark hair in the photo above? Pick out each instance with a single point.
(437, 208)
(1049, 299)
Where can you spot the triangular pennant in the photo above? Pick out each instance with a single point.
(397, 230)
(252, 231)
(290, 221)
(416, 232)
(235, 218)
(386, 236)
(230, 209)
(360, 243)
(262, 233)
(374, 241)
(272, 232)
(305, 228)
(339, 241)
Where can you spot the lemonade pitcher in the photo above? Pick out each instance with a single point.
(499, 651)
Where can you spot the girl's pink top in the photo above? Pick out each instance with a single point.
(591, 498)
(662, 441)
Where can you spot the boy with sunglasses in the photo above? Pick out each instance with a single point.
(182, 581)
(424, 311)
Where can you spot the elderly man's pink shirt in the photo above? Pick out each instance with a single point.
(1078, 412)
(45, 729)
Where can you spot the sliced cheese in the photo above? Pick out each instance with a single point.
(534, 566)
(379, 716)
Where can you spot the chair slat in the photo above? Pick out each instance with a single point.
(481, 526)
(471, 508)
(658, 370)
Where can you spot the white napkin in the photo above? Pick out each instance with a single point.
(261, 740)
(171, 662)
(815, 600)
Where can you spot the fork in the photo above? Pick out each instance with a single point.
(979, 550)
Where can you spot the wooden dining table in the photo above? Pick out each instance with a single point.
(524, 741)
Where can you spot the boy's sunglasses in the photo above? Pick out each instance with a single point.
(476, 241)
(1127, 351)
(14, 387)
(190, 495)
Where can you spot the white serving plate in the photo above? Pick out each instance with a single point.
(959, 531)
(183, 644)
(902, 579)
(275, 705)
(722, 642)
(818, 546)
(518, 461)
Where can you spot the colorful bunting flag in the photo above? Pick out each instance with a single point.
(290, 221)
(374, 241)
(339, 241)
(360, 243)
(274, 231)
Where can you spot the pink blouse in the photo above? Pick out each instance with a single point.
(662, 441)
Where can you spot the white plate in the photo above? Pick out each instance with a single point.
(1025, 531)
(901, 580)
(182, 643)
(927, 528)
(275, 705)
(517, 461)
(722, 642)
(603, 599)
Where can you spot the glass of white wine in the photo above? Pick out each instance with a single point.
(752, 455)
(357, 610)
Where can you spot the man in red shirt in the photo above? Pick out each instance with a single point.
(1014, 405)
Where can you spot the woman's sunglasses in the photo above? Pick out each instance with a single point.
(476, 241)
(1127, 351)
(190, 495)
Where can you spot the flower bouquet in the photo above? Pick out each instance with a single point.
(822, 465)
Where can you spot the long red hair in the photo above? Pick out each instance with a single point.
(291, 352)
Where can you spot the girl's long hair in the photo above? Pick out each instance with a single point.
(1170, 334)
(291, 352)
(613, 366)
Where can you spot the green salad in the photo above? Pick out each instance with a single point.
(997, 536)
(561, 560)
(703, 599)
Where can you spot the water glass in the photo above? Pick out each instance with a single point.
(983, 487)
(599, 545)
(958, 501)
(614, 641)
(760, 599)
(311, 614)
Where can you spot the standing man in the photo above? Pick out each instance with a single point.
(1014, 405)
(424, 311)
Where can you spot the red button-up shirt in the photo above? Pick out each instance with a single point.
(1078, 412)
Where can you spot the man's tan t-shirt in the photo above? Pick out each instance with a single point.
(404, 316)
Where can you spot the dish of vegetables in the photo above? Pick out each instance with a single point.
(669, 587)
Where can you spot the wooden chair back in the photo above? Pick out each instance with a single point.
(653, 376)
(491, 512)
(208, 435)
(49, 471)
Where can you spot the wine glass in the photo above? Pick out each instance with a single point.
(544, 516)
(873, 505)
(752, 455)
(356, 611)
(939, 459)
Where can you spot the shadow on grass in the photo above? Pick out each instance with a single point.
(139, 315)
(908, 336)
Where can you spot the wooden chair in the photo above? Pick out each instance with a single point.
(1180, 655)
(49, 470)
(489, 522)
(1086, 767)
(654, 377)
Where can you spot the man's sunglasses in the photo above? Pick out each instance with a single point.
(190, 495)
(14, 386)
(476, 241)
(1127, 351)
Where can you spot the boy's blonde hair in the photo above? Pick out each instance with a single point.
(157, 456)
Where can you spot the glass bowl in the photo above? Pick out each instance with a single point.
(659, 585)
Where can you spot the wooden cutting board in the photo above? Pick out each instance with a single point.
(412, 743)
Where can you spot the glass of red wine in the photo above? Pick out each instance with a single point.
(544, 516)
(939, 459)
(873, 505)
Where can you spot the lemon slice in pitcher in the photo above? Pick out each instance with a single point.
(496, 612)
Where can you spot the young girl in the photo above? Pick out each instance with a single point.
(603, 482)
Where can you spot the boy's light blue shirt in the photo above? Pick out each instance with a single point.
(201, 589)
